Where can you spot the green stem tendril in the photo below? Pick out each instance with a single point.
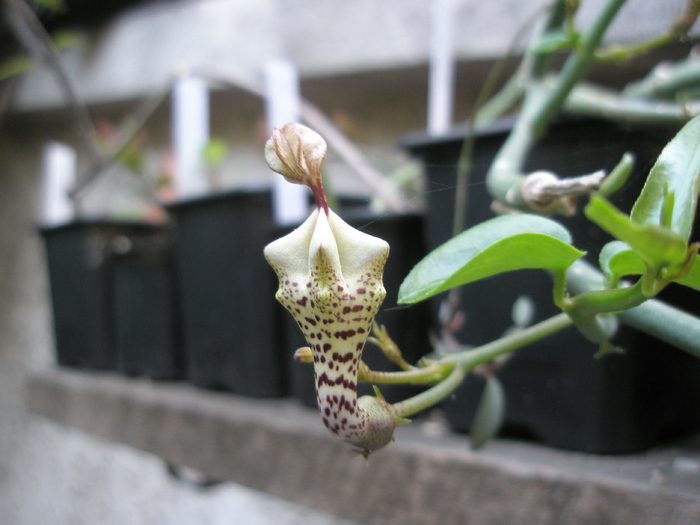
(430, 397)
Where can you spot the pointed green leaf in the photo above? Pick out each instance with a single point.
(68, 40)
(617, 259)
(692, 280)
(556, 40)
(17, 65)
(656, 245)
(489, 414)
(502, 244)
(676, 173)
(53, 5)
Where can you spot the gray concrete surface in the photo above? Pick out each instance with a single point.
(424, 478)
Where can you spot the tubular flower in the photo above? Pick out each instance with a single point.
(330, 280)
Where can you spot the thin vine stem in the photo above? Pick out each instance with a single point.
(430, 397)
(540, 105)
(506, 344)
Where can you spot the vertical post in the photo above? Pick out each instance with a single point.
(58, 174)
(290, 201)
(190, 130)
(440, 87)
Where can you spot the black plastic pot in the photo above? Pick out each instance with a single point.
(83, 289)
(407, 326)
(146, 327)
(228, 311)
(556, 391)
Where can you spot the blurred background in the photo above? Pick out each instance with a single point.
(365, 64)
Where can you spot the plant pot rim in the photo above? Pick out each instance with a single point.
(418, 141)
(215, 196)
(97, 222)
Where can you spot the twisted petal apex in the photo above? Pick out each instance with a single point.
(297, 153)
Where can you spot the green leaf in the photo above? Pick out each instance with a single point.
(617, 259)
(214, 152)
(692, 280)
(618, 176)
(553, 41)
(502, 244)
(15, 66)
(676, 173)
(489, 414)
(656, 245)
(68, 39)
(53, 5)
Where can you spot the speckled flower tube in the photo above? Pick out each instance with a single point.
(330, 280)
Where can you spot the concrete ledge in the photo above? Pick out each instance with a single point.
(281, 448)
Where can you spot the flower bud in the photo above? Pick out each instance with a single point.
(304, 355)
(297, 152)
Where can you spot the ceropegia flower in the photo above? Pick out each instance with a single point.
(330, 280)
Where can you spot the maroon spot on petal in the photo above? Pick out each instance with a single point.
(342, 358)
(323, 379)
(312, 322)
(361, 290)
(344, 334)
(302, 301)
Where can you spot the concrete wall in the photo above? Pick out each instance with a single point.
(364, 62)
(142, 47)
